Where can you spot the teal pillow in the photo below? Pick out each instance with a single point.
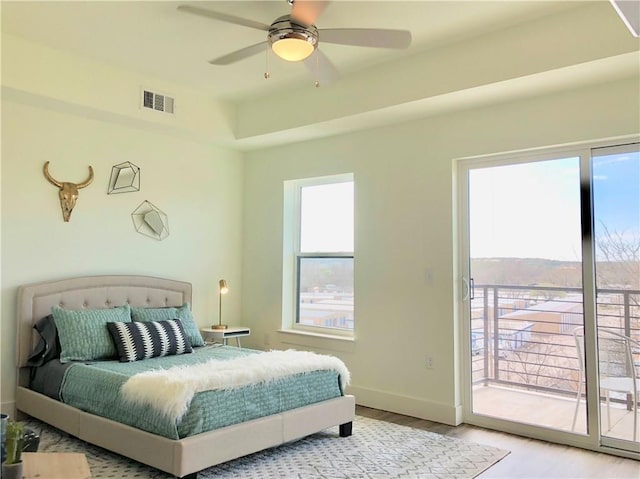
(183, 313)
(153, 314)
(189, 324)
(83, 333)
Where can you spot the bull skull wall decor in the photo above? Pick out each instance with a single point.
(68, 191)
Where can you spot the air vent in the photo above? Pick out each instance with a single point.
(157, 101)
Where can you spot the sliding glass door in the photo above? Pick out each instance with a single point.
(525, 262)
(616, 206)
(544, 236)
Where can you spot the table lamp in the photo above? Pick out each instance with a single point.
(222, 289)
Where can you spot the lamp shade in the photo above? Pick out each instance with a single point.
(292, 40)
(293, 48)
(224, 289)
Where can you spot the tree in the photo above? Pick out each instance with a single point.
(618, 265)
(539, 363)
(618, 261)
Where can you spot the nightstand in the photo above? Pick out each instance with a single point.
(224, 334)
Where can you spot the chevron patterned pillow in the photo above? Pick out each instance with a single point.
(136, 340)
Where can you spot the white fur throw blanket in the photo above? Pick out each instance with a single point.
(170, 391)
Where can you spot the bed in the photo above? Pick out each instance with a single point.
(183, 456)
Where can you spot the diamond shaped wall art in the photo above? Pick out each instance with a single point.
(150, 221)
(125, 178)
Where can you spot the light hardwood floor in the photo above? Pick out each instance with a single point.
(528, 458)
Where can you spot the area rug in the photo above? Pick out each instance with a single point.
(376, 450)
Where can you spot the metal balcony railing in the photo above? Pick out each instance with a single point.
(522, 336)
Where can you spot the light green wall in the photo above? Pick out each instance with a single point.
(405, 282)
(197, 184)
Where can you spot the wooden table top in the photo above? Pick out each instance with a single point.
(55, 465)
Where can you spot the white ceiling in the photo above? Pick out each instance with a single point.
(155, 39)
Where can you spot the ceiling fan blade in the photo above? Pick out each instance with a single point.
(240, 54)
(203, 12)
(321, 68)
(308, 11)
(367, 37)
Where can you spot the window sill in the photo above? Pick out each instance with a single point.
(324, 341)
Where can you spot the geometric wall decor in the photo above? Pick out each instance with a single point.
(150, 221)
(125, 178)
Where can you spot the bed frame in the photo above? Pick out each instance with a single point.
(182, 458)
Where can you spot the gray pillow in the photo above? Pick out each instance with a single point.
(48, 346)
(83, 333)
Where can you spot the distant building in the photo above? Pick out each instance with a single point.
(556, 316)
(326, 310)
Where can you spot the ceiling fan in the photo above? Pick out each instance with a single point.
(295, 38)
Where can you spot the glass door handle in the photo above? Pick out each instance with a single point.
(469, 293)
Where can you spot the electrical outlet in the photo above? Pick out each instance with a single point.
(429, 362)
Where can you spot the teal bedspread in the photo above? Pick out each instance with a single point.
(95, 388)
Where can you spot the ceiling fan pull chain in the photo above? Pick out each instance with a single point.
(267, 75)
(317, 71)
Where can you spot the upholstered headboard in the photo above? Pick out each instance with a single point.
(91, 292)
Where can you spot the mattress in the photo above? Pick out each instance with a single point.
(95, 388)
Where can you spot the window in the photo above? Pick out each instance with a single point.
(318, 255)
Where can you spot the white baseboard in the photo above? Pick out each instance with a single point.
(407, 405)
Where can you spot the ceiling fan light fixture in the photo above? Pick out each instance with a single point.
(292, 41)
(292, 49)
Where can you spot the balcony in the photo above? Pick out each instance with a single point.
(525, 364)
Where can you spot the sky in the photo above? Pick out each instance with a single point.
(616, 185)
(532, 210)
(327, 218)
